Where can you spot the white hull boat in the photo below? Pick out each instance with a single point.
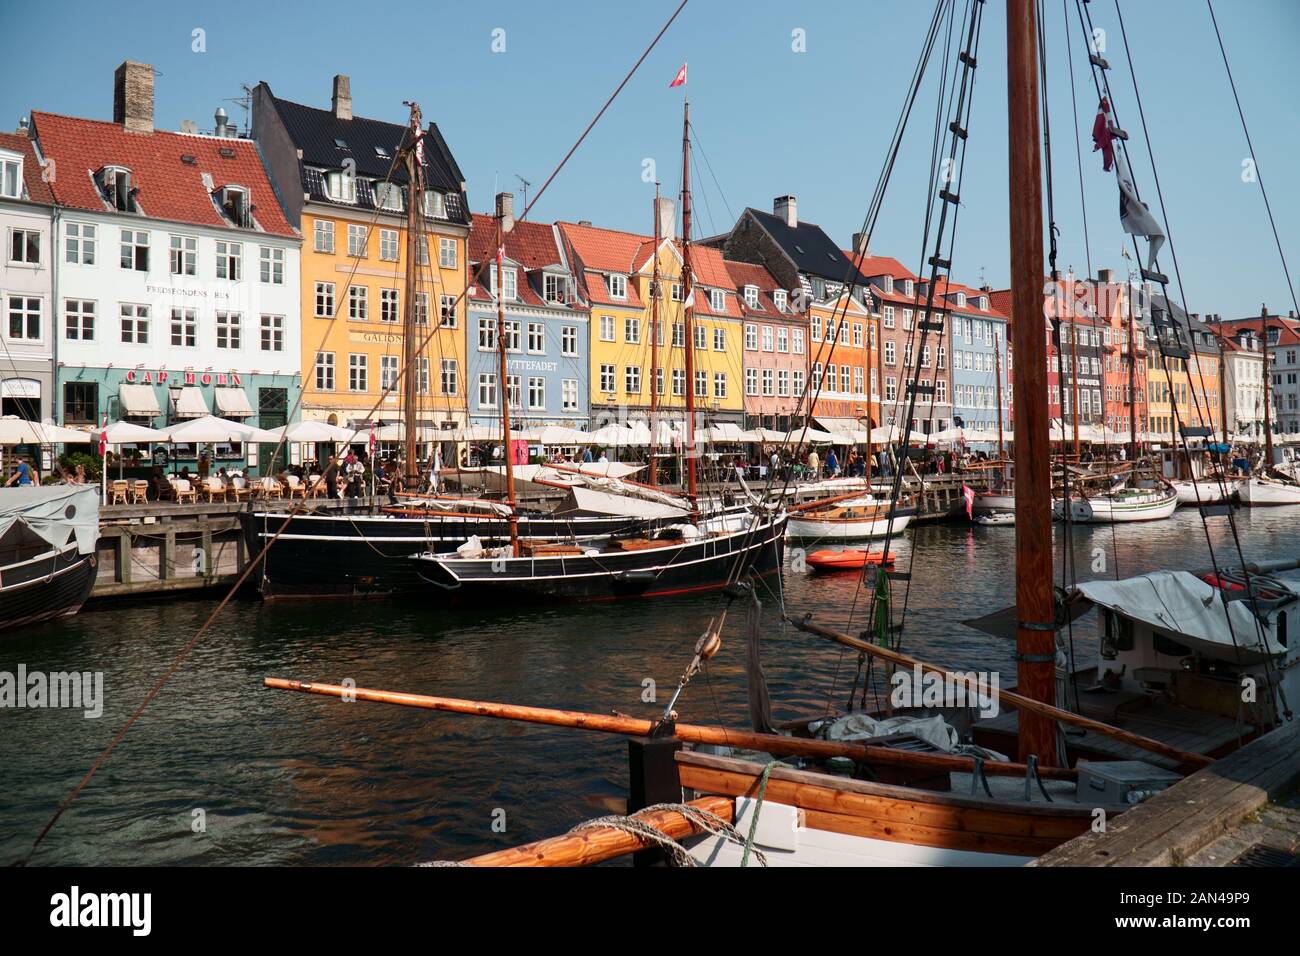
(856, 520)
(994, 502)
(1130, 504)
(1258, 492)
(1206, 491)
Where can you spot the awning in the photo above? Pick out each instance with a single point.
(191, 403)
(232, 403)
(138, 401)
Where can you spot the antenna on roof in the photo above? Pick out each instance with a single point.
(245, 103)
(523, 184)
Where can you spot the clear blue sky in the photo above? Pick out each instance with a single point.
(770, 120)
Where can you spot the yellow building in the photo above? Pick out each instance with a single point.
(344, 186)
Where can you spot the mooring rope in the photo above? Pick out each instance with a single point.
(677, 854)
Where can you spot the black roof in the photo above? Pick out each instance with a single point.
(808, 247)
(327, 141)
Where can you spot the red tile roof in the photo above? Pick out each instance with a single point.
(605, 250)
(169, 189)
(38, 190)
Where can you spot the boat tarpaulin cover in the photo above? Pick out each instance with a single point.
(1189, 610)
(591, 501)
(56, 513)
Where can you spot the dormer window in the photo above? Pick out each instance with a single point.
(982, 303)
(115, 187)
(511, 289)
(717, 300)
(388, 196)
(779, 299)
(557, 288)
(234, 203)
(888, 285)
(342, 187)
(960, 299)
(618, 287)
(11, 176)
(751, 296)
(434, 204)
(909, 287)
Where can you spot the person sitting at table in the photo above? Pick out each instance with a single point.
(159, 487)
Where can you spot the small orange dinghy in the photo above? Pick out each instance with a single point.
(848, 560)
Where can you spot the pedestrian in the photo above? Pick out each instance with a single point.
(832, 464)
(814, 465)
(586, 455)
(331, 478)
(205, 464)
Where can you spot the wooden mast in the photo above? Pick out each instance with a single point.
(1268, 396)
(688, 289)
(504, 390)
(997, 380)
(410, 335)
(872, 343)
(654, 353)
(1223, 382)
(1132, 378)
(1035, 605)
(1074, 368)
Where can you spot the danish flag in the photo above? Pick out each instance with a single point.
(103, 438)
(680, 78)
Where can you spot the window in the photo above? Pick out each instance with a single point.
(783, 339)
(536, 338)
(783, 382)
(891, 388)
(229, 330)
(751, 337)
(857, 381)
(701, 383)
(357, 241)
(512, 336)
(907, 320)
(184, 255)
(941, 391)
(779, 299)
(569, 394)
(79, 243)
(607, 378)
(81, 403)
(324, 236)
(422, 250)
(447, 253)
(24, 317)
(11, 178)
(387, 372)
(767, 338)
(115, 186)
(272, 266)
(751, 296)
(632, 379)
(450, 377)
(358, 303)
(387, 195)
(272, 333)
(135, 323)
(557, 288)
(434, 204)
(513, 392)
(675, 293)
(324, 300)
(229, 257)
(719, 384)
(798, 342)
(701, 337)
(857, 335)
(388, 311)
(325, 371)
(447, 312)
(607, 328)
(751, 381)
(185, 328)
(632, 331)
(487, 334)
(679, 382)
(888, 317)
(569, 340)
(358, 372)
(388, 245)
(717, 300)
(844, 379)
(342, 187)
(719, 339)
(421, 307)
(135, 250)
(679, 335)
(942, 357)
(79, 320)
(618, 287)
(659, 381)
(768, 387)
(890, 354)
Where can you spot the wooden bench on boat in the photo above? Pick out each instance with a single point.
(547, 549)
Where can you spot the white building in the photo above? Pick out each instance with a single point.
(178, 272)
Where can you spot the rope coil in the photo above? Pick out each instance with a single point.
(677, 854)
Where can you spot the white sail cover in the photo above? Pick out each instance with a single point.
(1190, 610)
(592, 501)
(56, 513)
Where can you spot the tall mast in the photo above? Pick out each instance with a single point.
(504, 392)
(1074, 367)
(872, 335)
(1035, 607)
(654, 353)
(1268, 398)
(688, 283)
(410, 333)
(1132, 378)
(1223, 383)
(997, 380)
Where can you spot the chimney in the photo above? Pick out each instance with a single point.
(666, 213)
(341, 101)
(133, 96)
(219, 119)
(1105, 276)
(784, 208)
(584, 222)
(506, 210)
(860, 244)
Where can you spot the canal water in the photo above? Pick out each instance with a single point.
(219, 770)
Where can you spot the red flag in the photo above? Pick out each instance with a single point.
(1102, 137)
(372, 439)
(680, 78)
(968, 493)
(103, 438)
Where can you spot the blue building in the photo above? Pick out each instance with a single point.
(546, 327)
(978, 337)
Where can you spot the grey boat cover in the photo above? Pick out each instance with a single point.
(1190, 610)
(56, 513)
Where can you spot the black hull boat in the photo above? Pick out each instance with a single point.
(663, 564)
(47, 552)
(345, 555)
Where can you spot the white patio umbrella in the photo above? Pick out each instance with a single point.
(209, 428)
(312, 431)
(128, 433)
(19, 431)
(559, 435)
